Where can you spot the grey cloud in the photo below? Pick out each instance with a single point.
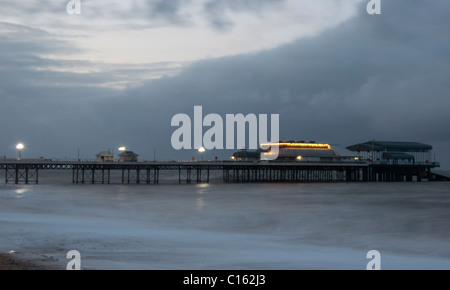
(156, 13)
(29, 8)
(23, 50)
(168, 10)
(216, 10)
(17, 39)
(54, 112)
(153, 13)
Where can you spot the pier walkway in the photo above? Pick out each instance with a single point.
(27, 171)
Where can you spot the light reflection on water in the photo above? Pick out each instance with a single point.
(202, 190)
(21, 190)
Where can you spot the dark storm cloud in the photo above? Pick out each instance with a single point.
(372, 77)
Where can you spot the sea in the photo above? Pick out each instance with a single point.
(218, 226)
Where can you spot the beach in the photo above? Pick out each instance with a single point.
(225, 226)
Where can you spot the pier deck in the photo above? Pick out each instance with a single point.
(26, 171)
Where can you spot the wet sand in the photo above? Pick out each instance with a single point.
(19, 262)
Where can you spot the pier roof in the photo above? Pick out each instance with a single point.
(390, 146)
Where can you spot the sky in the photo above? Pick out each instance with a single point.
(116, 74)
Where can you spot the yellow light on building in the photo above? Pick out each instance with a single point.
(299, 145)
(299, 158)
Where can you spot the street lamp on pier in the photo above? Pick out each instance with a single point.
(19, 148)
(201, 150)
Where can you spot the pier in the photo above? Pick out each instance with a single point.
(27, 172)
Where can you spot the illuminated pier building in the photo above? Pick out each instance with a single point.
(298, 152)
